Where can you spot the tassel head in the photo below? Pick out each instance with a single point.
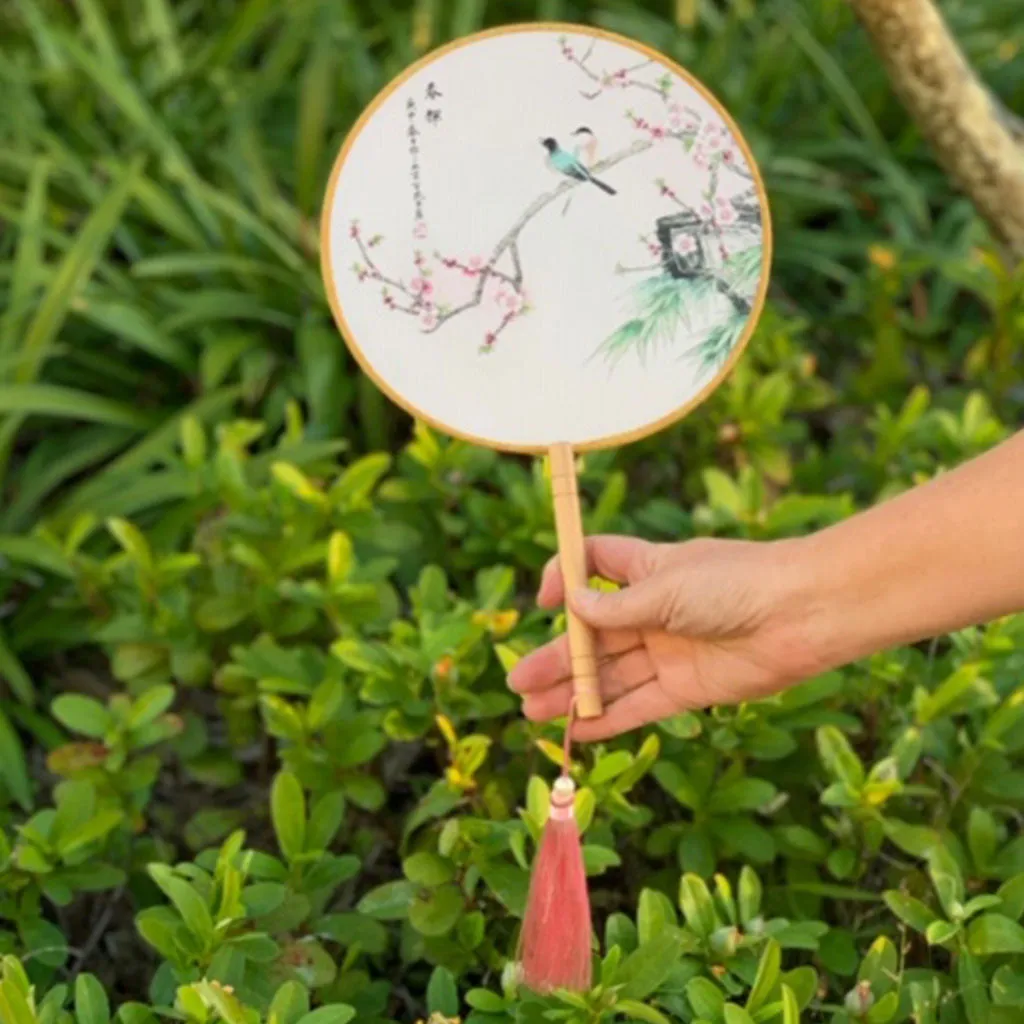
(555, 950)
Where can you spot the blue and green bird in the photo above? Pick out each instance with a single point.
(565, 163)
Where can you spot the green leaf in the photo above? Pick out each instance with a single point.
(510, 884)
(767, 978)
(325, 819)
(973, 989)
(647, 967)
(940, 932)
(1008, 987)
(290, 1002)
(187, 901)
(641, 1011)
(388, 902)
(442, 993)
(91, 1003)
(14, 1006)
(917, 840)
(609, 767)
(742, 795)
(13, 768)
(353, 929)
(91, 239)
(838, 757)
(736, 1014)
(96, 827)
(750, 893)
(962, 686)
(69, 403)
(598, 859)
(885, 1009)
(674, 781)
(994, 933)
(82, 715)
(337, 1013)
(803, 982)
(655, 914)
(947, 878)
(982, 836)
(435, 913)
(150, 706)
(697, 906)
(13, 672)
(705, 998)
(288, 813)
(428, 869)
(909, 910)
(1011, 896)
(790, 1007)
(880, 966)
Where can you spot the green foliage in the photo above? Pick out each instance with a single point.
(258, 762)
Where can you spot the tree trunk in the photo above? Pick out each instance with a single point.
(974, 139)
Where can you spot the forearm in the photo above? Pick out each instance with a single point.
(940, 557)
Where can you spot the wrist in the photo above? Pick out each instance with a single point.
(819, 607)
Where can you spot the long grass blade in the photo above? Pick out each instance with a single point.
(29, 258)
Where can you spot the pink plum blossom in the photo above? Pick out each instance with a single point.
(684, 244)
(420, 231)
(726, 215)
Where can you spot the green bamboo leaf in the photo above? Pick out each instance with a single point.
(162, 30)
(122, 93)
(67, 403)
(75, 269)
(315, 94)
(28, 260)
(13, 673)
(13, 768)
(132, 324)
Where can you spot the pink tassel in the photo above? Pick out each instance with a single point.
(555, 940)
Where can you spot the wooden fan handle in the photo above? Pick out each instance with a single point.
(571, 548)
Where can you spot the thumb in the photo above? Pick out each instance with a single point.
(639, 606)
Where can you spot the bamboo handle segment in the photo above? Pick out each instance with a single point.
(571, 548)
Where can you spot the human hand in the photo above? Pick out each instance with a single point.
(700, 623)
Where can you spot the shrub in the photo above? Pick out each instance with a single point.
(258, 761)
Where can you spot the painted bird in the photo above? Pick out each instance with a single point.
(586, 146)
(570, 166)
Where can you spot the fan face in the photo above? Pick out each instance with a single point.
(546, 234)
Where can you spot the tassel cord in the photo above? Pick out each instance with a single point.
(567, 739)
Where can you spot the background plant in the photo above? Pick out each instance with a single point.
(257, 758)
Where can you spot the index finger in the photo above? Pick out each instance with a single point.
(615, 557)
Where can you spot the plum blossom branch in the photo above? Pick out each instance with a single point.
(371, 269)
(500, 278)
(621, 78)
